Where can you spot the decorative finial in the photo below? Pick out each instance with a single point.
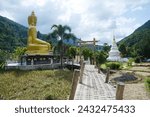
(32, 13)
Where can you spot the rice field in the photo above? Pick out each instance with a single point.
(35, 85)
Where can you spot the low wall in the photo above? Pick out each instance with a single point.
(34, 67)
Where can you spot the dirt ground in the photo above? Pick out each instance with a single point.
(135, 90)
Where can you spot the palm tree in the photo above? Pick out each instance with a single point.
(71, 36)
(61, 33)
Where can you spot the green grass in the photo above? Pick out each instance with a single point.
(35, 85)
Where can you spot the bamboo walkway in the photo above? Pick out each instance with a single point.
(93, 86)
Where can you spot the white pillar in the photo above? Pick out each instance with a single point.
(32, 62)
(51, 60)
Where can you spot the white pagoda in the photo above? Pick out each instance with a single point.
(114, 54)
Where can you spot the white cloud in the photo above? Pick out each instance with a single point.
(137, 8)
(87, 18)
(40, 3)
(7, 14)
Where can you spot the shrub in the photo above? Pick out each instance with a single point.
(113, 65)
(130, 61)
(3, 56)
(2, 66)
(137, 59)
(147, 83)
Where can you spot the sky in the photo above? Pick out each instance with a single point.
(88, 19)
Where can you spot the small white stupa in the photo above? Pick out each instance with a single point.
(114, 54)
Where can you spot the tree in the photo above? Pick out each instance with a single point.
(61, 33)
(52, 38)
(123, 50)
(18, 52)
(73, 37)
(106, 47)
(86, 52)
(100, 57)
(72, 51)
(3, 57)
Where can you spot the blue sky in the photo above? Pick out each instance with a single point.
(141, 15)
(87, 18)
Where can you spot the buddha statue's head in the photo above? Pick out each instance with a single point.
(32, 19)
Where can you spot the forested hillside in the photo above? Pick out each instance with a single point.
(138, 43)
(12, 34)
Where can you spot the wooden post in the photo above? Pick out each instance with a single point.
(82, 69)
(80, 50)
(72, 62)
(81, 63)
(94, 41)
(98, 69)
(74, 83)
(120, 90)
(107, 76)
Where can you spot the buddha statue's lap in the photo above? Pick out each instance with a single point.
(35, 45)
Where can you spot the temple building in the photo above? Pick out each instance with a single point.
(114, 54)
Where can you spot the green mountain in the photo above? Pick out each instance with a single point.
(13, 34)
(138, 43)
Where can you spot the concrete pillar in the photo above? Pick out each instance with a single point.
(32, 62)
(67, 60)
(25, 62)
(51, 60)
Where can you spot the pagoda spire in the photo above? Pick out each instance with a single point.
(113, 35)
(114, 41)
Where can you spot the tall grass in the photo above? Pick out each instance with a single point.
(35, 85)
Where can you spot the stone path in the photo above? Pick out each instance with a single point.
(93, 86)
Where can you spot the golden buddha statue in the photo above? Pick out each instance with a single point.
(35, 45)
